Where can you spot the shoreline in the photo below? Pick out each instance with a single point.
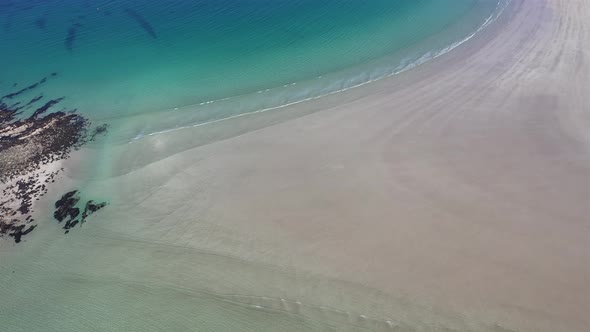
(398, 62)
(194, 136)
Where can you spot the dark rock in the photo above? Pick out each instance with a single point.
(66, 206)
(74, 212)
(65, 197)
(90, 208)
(19, 232)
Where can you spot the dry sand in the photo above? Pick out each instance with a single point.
(452, 197)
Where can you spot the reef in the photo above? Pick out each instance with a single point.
(33, 139)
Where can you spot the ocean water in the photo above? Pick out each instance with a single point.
(151, 68)
(195, 61)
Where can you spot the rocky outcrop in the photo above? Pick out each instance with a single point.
(66, 210)
(28, 146)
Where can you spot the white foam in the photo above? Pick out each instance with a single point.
(405, 65)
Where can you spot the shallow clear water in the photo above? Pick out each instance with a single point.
(116, 58)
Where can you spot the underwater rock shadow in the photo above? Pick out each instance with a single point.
(71, 36)
(145, 25)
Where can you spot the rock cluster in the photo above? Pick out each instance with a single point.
(28, 145)
(66, 210)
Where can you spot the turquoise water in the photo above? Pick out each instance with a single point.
(212, 59)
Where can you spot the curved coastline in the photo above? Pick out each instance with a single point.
(213, 111)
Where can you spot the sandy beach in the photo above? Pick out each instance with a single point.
(452, 197)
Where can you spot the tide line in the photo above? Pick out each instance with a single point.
(405, 65)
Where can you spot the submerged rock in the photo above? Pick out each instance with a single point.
(91, 207)
(66, 210)
(20, 231)
(66, 206)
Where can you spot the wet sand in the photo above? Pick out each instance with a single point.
(453, 197)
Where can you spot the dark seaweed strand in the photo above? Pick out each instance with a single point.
(34, 100)
(23, 90)
(70, 38)
(45, 107)
(145, 25)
